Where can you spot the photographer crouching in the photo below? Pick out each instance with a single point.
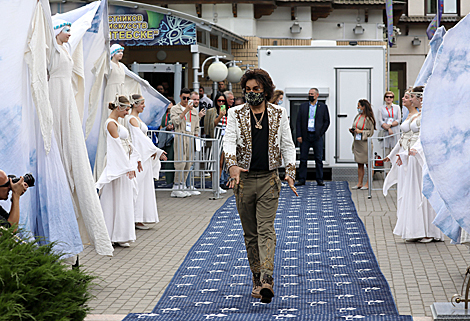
(17, 188)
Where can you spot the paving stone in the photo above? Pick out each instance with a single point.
(136, 277)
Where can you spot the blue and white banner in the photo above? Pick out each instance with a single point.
(389, 11)
(426, 69)
(445, 132)
(436, 21)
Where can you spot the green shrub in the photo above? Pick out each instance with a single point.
(36, 285)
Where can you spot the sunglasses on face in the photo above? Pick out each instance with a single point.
(389, 97)
(221, 100)
(7, 184)
(185, 98)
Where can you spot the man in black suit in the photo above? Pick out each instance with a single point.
(313, 120)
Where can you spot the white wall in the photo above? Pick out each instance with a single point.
(404, 46)
(416, 7)
(327, 28)
(464, 7)
(186, 8)
(304, 67)
(244, 24)
(277, 25)
(413, 56)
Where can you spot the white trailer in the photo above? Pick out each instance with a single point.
(343, 75)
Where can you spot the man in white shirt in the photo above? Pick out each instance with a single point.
(186, 120)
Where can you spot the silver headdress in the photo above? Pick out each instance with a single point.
(119, 105)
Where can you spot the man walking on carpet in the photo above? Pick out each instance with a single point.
(264, 128)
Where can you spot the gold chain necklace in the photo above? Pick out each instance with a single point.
(258, 122)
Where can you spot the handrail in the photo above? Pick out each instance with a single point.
(204, 161)
(371, 161)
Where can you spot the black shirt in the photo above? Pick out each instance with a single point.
(4, 218)
(259, 140)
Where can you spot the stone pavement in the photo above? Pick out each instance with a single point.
(135, 278)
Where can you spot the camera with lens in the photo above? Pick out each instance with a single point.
(28, 179)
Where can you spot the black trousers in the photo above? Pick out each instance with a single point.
(317, 145)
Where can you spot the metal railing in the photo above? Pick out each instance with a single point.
(202, 153)
(372, 159)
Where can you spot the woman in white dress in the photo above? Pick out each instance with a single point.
(114, 86)
(145, 208)
(415, 166)
(117, 182)
(414, 214)
(71, 143)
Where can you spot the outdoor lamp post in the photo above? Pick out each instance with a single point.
(247, 67)
(235, 73)
(217, 71)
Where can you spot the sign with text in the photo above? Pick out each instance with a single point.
(138, 27)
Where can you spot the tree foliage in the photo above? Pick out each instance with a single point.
(36, 285)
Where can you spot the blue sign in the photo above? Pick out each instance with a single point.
(138, 27)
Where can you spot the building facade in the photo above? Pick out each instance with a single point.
(291, 23)
(412, 45)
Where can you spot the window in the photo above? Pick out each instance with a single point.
(450, 6)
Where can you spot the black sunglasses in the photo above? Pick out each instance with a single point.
(185, 98)
(389, 97)
(221, 100)
(7, 184)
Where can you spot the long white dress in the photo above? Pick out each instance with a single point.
(118, 192)
(73, 152)
(146, 205)
(114, 86)
(414, 213)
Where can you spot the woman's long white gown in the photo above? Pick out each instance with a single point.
(414, 213)
(146, 205)
(114, 86)
(71, 142)
(118, 192)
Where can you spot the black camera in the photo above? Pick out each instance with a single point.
(28, 179)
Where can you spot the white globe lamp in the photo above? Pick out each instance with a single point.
(234, 74)
(217, 71)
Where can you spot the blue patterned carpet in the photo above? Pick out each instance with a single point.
(325, 268)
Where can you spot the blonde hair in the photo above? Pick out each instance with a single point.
(276, 95)
(389, 93)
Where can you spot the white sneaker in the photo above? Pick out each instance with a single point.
(124, 244)
(222, 191)
(193, 192)
(179, 194)
(187, 193)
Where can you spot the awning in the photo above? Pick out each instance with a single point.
(205, 27)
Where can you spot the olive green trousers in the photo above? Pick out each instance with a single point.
(257, 198)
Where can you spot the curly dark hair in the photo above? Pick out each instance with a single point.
(262, 78)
